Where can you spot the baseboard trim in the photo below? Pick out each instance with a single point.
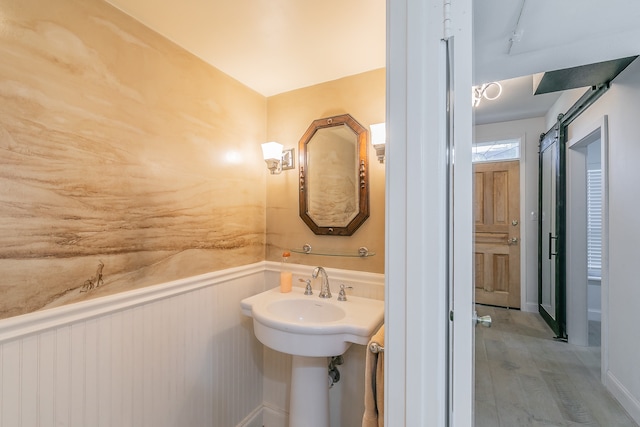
(254, 419)
(265, 416)
(628, 401)
(274, 417)
(530, 307)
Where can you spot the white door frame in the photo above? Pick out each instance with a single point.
(577, 323)
(416, 294)
(462, 289)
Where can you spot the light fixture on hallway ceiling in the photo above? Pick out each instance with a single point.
(488, 91)
(276, 158)
(379, 139)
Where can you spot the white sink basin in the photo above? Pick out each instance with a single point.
(306, 325)
(311, 329)
(305, 311)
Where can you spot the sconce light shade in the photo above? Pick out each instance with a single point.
(271, 150)
(379, 139)
(272, 154)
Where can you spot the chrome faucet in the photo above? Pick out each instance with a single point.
(325, 292)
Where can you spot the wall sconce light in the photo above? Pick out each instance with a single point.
(276, 158)
(379, 139)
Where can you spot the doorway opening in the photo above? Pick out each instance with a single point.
(520, 370)
(587, 282)
(496, 200)
(521, 373)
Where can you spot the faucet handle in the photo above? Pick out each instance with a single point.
(307, 289)
(342, 295)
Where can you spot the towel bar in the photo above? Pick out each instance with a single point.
(374, 347)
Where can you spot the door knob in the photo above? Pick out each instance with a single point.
(513, 241)
(483, 320)
(515, 222)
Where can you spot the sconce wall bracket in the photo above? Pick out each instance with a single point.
(380, 149)
(288, 159)
(274, 165)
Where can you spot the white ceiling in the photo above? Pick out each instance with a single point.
(274, 46)
(552, 35)
(516, 102)
(547, 35)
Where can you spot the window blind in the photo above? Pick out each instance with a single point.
(594, 222)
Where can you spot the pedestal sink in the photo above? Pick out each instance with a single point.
(311, 329)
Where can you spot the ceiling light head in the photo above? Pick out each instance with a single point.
(489, 91)
(516, 36)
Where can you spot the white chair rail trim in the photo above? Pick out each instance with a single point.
(38, 321)
(335, 274)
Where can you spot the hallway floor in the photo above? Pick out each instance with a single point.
(525, 378)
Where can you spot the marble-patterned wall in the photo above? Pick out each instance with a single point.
(290, 114)
(124, 160)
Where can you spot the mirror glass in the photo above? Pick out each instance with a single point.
(333, 176)
(332, 180)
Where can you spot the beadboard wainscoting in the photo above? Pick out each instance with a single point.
(346, 398)
(177, 354)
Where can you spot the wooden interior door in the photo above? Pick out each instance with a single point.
(497, 233)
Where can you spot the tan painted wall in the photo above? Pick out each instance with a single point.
(289, 116)
(118, 148)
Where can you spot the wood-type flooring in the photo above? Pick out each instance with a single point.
(523, 377)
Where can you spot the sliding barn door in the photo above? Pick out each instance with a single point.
(551, 285)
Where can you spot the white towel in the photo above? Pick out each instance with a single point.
(374, 385)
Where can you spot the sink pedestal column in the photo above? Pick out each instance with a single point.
(309, 402)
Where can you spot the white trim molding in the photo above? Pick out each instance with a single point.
(624, 396)
(364, 284)
(39, 321)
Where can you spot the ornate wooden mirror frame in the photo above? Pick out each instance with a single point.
(334, 181)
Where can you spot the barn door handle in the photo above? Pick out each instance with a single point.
(551, 238)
